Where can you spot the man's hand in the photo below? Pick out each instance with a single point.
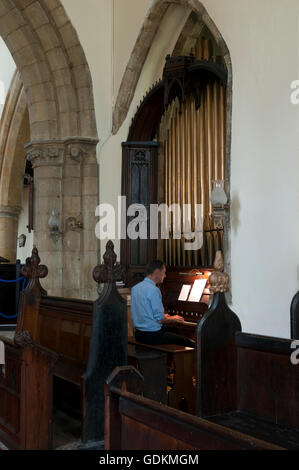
(178, 318)
(171, 318)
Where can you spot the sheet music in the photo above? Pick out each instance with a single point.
(197, 290)
(184, 293)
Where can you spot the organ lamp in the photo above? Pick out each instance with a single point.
(219, 201)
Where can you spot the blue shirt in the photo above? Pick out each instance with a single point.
(146, 306)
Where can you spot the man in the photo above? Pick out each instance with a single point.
(147, 310)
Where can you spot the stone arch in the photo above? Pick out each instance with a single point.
(52, 90)
(53, 68)
(14, 133)
(198, 15)
(143, 46)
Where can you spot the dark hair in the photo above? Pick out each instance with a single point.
(153, 265)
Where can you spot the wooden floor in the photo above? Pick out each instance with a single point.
(289, 439)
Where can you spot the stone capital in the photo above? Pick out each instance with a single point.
(80, 148)
(45, 153)
(55, 152)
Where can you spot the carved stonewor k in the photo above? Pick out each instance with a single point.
(109, 344)
(219, 280)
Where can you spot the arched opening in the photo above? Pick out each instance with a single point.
(178, 143)
(54, 90)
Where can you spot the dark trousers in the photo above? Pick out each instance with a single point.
(162, 337)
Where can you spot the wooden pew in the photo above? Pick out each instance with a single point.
(26, 383)
(180, 374)
(133, 422)
(246, 382)
(246, 386)
(70, 332)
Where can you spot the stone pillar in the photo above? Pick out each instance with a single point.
(9, 218)
(66, 180)
(81, 197)
(47, 159)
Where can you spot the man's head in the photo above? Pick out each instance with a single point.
(156, 271)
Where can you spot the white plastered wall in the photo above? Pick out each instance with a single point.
(262, 36)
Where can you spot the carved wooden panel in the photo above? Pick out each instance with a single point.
(139, 185)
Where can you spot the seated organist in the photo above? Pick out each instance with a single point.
(147, 310)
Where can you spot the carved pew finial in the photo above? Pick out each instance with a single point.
(33, 271)
(219, 280)
(109, 272)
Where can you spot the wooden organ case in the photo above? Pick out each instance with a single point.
(191, 162)
(192, 312)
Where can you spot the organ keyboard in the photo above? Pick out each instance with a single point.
(191, 311)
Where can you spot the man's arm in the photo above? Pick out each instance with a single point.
(170, 319)
(158, 310)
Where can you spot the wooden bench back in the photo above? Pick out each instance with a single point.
(133, 422)
(25, 384)
(267, 381)
(61, 325)
(243, 372)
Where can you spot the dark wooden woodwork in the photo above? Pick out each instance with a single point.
(270, 376)
(109, 345)
(139, 185)
(137, 423)
(192, 312)
(180, 374)
(153, 367)
(246, 386)
(246, 382)
(29, 303)
(181, 76)
(216, 359)
(64, 326)
(25, 384)
(295, 317)
(59, 333)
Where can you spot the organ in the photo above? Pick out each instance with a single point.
(192, 312)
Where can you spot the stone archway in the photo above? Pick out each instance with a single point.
(53, 68)
(197, 18)
(14, 123)
(143, 46)
(57, 90)
(138, 58)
